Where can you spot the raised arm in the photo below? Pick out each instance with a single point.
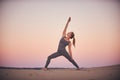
(65, 29)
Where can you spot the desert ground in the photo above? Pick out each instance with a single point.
(95, 73)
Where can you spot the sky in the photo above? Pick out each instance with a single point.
(30, 31)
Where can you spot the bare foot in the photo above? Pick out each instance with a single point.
(45, 69)
(80, 68)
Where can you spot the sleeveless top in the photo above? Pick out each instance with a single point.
(62, 44)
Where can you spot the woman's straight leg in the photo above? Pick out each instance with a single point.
(66, 55)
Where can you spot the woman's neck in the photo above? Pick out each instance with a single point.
(67, 38)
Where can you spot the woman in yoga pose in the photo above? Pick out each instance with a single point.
(64, 41)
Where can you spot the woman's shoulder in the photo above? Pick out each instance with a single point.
(63, 36)
(69, 42)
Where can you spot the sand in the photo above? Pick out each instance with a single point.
(100, 73)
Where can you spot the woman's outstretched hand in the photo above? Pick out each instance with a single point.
(69, 19)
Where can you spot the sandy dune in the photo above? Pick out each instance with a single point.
(101, 73)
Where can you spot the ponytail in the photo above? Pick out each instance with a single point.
(74, 41)
(73, 37)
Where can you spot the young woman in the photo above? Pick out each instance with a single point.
(65, 41)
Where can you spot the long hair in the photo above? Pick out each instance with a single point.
(74, 41)
(73, 37)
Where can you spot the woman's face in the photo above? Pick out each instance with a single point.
(69, 34)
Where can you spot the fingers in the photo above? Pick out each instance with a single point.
(71, 57)
(69, 19)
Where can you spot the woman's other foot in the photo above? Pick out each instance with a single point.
(80, 68)
(45, 69)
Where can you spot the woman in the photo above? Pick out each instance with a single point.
(65, 41)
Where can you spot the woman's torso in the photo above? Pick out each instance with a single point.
(62, 43)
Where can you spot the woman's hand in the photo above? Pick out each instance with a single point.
(69, 19)
(71, 57)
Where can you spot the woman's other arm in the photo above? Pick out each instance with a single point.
(69, 49)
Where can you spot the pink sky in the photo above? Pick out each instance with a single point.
(30, 32)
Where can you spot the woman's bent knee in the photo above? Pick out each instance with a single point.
(49, 57)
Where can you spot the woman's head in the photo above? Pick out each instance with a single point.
(71, 35)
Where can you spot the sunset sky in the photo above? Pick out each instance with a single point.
(30, 32)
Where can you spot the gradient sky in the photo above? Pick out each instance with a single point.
(30, 32)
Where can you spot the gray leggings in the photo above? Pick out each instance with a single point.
(61, 53)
